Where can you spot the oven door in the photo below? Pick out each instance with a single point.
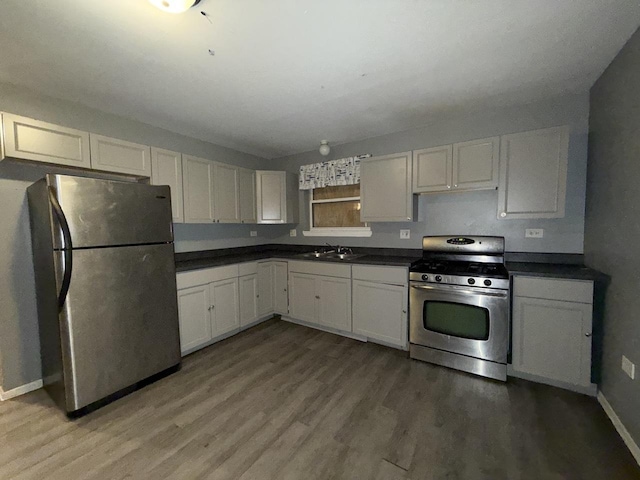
(465, 320)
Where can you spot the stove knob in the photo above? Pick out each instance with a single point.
(471, 281)
(487, 283)
(438, 278)
(425, 277)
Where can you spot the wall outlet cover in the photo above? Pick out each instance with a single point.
(253, 233)
(534, 233)
(293, 232)
(629, 367)
(405, 234)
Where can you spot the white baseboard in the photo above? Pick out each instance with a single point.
(21, 390)
(626, 437)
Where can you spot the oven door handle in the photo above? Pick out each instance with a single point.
(464, 291)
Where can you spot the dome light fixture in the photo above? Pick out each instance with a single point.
(324, 148)
(174, 6)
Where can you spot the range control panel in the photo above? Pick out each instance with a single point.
(435, 278)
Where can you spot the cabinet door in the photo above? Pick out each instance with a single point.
(271, 193)
(533, 174)
(552, 339)
(29, 139)
(303, 297)
(248, 299)
(380, 312)
(280, 287)
(195, 319)
(166, 169)
(334, 304)
(265, 288)
(113, 155)
(226, 192)
(385, 188)
(224, 306)
(247, 195)
(432, 169)
(475, 164)
(198, 190)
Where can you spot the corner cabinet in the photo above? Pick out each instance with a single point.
(29, 139)
(552, 331)
(277, 196)
(113, 155)
(385, 188)
(462, 166)
(533, 174)
(166, 169)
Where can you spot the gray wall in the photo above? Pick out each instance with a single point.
(473, 212)
(19, 347)
(613, 222)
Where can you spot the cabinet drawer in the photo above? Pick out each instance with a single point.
(388, 275)
(321, 268)
(206, 275)
(553, 289)
(247, 268)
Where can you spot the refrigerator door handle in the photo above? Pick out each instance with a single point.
(68, 246)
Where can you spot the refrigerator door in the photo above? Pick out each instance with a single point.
(119, 324)
(104, 213)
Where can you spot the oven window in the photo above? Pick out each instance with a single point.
(457, 320)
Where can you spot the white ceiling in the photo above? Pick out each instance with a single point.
(289, 73)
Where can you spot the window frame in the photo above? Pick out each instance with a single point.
(334, 231)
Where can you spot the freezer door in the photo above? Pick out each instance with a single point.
(104, 212)
(119, 323)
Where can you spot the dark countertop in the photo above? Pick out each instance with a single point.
(213, 258)
(555, 270)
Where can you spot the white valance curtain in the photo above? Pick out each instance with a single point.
(344, 171)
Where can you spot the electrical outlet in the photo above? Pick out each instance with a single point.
(534, 233)
(293, 232)
(253, 233)
(628, 367)
(405, 234)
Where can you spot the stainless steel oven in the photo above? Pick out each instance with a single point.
(460, 310)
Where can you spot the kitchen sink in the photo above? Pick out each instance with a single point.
(312, 255)
(342, 256)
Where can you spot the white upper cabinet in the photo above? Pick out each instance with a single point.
(113, 155)
(432, 169)
(277, 197)
(166, 169)
(197, 182)
(385, 188)
(29, 139)
(247, 180)
(475, 164)
(533, 174)
(462, 166)
(226, 193)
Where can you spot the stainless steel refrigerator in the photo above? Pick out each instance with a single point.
(105, 285)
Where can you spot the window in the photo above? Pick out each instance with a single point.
(335, 211)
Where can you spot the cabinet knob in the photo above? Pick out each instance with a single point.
(318, 297)
(503, 214)
(448, 186)
(455, 185)
(404, 311)
(285, 289)
(212, 307)
(587, 334)
(257, 296)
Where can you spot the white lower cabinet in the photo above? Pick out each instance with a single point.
(195, 318)
(225, 315)
(280, 288)
(334, 302)
(248, 286)
(552, 331)
(303, 298)
(380, 296)
(265, 288)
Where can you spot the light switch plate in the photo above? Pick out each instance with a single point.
(293, 232)
(534, 233)
(629, 367)
(405, 234)
(253, 233)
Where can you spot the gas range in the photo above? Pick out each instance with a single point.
(459, 305)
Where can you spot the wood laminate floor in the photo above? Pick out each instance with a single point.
(281, 401)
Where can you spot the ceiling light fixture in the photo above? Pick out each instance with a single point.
(174, 6)
(324, 148)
